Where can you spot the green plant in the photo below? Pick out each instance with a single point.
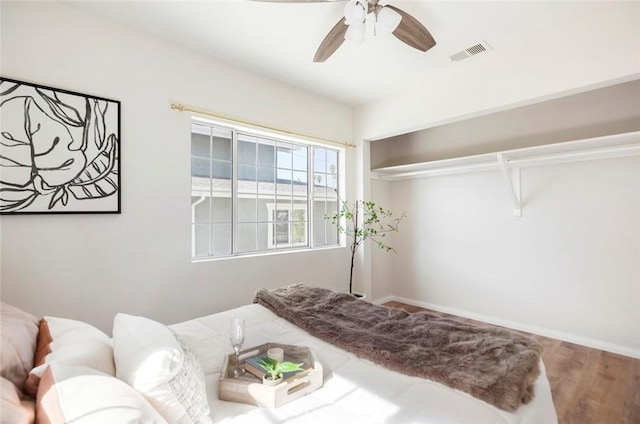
(274, 368)
(364, 221)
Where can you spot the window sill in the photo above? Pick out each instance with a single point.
(261, 254)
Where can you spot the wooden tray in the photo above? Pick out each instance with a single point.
(249, 388)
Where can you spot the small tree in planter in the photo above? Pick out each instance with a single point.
(364, 221)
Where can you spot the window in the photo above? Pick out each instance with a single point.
(253, 193)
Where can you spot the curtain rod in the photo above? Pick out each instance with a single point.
(183, 108)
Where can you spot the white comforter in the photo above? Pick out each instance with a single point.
(354, 390)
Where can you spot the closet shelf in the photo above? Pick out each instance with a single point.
(606, 147)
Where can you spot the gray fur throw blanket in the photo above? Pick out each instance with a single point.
(490, 363)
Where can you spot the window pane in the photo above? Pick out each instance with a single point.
(247, 237)
(222, 187)
(284, 176)
(200, 145)
(299, 225)
(319, 210)
(246, 152)
(319, 180)
(264, 207)
(201, 209)
(332, 162)
(300, 158)
(222, 147)
(247, 179)
(266, 154)
(201, 240)
(284, 182)
(299, 177)
(332, 182)
(266, 175)
(221, 208)
(222, 170)
(200, 187)
(299, 233)
(283, 203)
(222, 239)
(332, 233)
(284, 157)
(247, 210)
(246, 173)
(263, 236)
(282, 227)
(299, 213)
(300, 190)
(282, 234)
(319, 238)
(332, 207)
(200, 167)
(320, 160)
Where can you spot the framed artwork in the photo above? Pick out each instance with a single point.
(59, 151)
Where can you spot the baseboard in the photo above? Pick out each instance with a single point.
(567, 337)
(385, 300)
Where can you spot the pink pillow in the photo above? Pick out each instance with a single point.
(19, 333)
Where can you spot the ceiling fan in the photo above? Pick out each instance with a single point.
(351, 27)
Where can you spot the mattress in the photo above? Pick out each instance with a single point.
(354, 390)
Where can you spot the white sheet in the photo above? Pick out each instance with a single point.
(354, 391)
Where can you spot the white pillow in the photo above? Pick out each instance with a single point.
(152, 360)
(19, 334)
(78, 394)
(70, 342)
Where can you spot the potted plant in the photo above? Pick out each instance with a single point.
(274, 370)
(364, 221)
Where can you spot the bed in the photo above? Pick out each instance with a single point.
(355, 390)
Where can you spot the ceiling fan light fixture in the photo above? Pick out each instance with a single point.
(355, 12)
(388, 19)
(355, 33)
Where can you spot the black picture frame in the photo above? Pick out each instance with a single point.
(59, 151)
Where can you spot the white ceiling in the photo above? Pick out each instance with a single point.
(279, 40)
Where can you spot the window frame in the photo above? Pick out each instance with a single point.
(237, 131)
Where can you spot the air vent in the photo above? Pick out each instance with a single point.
(470, 51)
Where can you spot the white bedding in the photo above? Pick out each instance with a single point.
(354, 390)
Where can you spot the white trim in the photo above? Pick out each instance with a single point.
(567, 337)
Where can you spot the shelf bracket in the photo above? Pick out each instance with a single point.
(513, 183)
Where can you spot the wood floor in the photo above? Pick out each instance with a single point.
(589, 386)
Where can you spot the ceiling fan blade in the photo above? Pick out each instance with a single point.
(412, 32)
(331, 42)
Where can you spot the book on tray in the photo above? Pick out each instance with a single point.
(252, 365)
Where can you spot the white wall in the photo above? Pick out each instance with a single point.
(89, 267)
(569, 267)
(605, 49)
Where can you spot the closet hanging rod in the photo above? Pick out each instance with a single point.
(183, 108)
(611, 146)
